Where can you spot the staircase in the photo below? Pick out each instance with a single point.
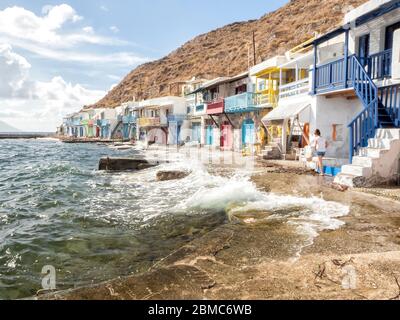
(374, 144)
(272, 152)
(375, 164)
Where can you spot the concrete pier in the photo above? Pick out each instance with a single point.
(16, 136)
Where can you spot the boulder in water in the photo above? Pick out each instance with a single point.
(171, 175)
(125, 164)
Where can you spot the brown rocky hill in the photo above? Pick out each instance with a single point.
(226, 51)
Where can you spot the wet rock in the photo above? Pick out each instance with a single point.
(125, 164)
(171, 175)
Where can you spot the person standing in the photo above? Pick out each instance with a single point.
(320, 145)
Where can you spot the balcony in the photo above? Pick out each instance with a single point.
(380, 65)
(104, 122)
(149, 122)
(131, 119)
(176, 118)
(216, 106)
(84, 122)
(245, 102)
(294, 89)
(267, 99)
(332, 76)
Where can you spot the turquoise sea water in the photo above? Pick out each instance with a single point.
(57, 209)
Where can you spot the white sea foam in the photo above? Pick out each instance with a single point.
(204, 192)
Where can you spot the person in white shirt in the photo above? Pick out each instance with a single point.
(320, 145)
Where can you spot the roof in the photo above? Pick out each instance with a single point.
(285, 112)
(219, 81)
(359, 16)
(370, 10)
(303, 61)
(274, 62)
(331, 34)
(160, 102)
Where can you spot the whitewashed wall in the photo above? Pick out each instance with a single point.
(327, 112)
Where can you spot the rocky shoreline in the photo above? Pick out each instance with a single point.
(241, 260)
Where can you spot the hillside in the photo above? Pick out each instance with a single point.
(225, 51)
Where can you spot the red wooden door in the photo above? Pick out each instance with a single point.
(226, 136)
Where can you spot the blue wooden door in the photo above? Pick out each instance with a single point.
(196, 133)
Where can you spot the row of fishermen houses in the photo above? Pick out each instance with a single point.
(345, 83)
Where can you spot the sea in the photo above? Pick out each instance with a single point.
(57, 209)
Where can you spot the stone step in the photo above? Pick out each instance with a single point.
(379, 143)
(372, 152)
(356, 170)
(345, 179)
(363, 161)
(388, 133)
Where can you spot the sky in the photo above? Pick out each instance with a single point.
(56, 56)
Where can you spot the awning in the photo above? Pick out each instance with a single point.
(285, 112)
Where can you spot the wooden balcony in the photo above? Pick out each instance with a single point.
(334, 75)
(245, 102)
(294, 89)
(149, 122)
(216, 106)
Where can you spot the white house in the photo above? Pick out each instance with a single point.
(356, 102)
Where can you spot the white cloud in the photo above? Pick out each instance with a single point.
(88, 29)
(17, 23)
(114, 29)
(14, 71)
(104, 8)
(49, 36)
(126, 59)
(46, 9)
(23, 99)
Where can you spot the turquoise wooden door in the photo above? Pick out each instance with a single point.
(125, 131)
(209, 140)
(248, 132)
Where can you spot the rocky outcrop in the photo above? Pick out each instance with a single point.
(225, 51)
(125, 164)
(171, 175)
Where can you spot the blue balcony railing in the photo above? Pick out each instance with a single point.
(104, 122)
(332, 76)
(129, 119)
(245, 102)
(176, 118)
(380, 65)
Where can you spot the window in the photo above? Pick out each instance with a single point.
(337, 132)
(363, 49)
(241, 89)
(261, 85)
